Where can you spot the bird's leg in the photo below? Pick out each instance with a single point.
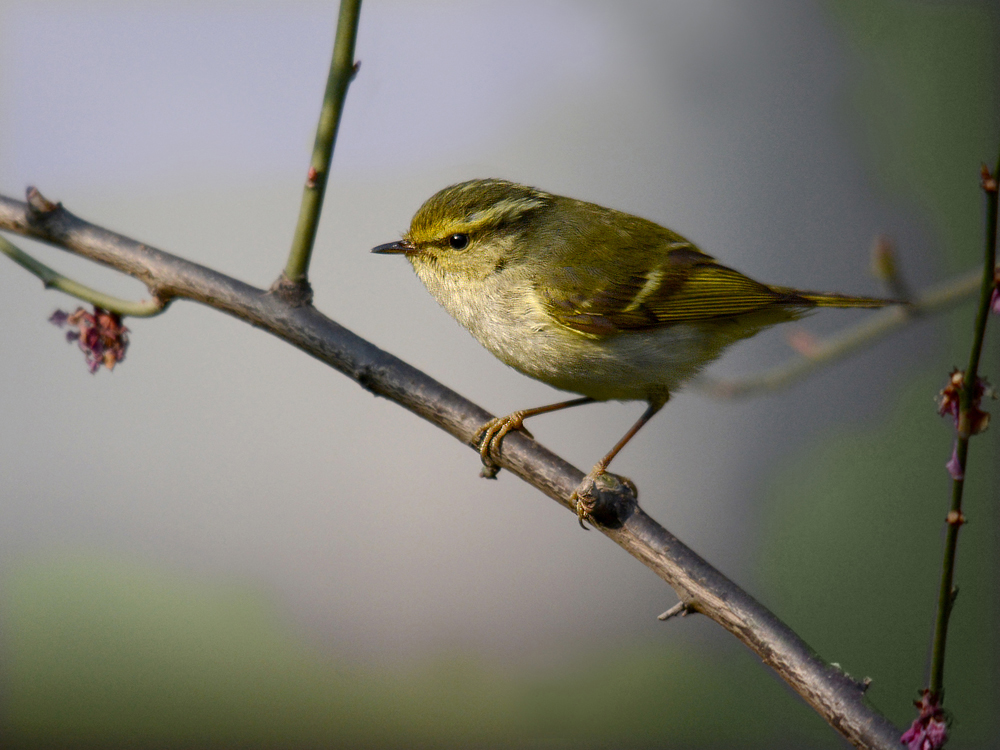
(585, 504)
(491, 435)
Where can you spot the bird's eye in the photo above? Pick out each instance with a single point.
(458, 241)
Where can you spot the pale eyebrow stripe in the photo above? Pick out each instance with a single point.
(508, 208)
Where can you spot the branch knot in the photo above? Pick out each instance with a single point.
(295, 293)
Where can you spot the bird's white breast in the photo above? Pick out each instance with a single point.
(505, 315)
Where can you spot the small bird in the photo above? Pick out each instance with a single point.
(585, 298)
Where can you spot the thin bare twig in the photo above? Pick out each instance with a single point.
(878, 325)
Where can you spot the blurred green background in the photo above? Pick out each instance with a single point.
(224, 544)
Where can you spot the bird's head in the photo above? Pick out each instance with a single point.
(472, 228)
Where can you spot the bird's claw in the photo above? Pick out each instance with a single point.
(491, 435)
(584, 500)
(601, 493)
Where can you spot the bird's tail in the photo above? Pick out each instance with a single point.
(832, 299)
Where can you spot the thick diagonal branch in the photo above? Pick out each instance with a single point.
(834, 695)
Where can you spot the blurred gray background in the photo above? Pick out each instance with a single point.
(225, 542)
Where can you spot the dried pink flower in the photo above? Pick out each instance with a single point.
(950, 402)
(929, 730)
(100, 335)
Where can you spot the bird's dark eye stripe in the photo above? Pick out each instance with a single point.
(458, 241)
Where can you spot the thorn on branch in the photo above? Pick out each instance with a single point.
(862, 685)
(311, 178)
(681, 609)
(39, 205)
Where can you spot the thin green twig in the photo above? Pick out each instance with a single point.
(967, 403)
(52, 279)
(342, 70)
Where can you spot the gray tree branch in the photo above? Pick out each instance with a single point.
(833, 694)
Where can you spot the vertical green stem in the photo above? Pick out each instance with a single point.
(946, 596)
(342, 70)
(947, 592)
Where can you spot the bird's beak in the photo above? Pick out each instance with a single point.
(400, 247)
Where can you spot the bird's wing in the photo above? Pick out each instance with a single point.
(683, 285)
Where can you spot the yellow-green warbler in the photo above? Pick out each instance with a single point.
(585, 298)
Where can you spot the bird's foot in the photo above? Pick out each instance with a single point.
(603, 498)
(491, 435)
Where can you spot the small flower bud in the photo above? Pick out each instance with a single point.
(954, 466)
(884, 259)
(987, 179)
